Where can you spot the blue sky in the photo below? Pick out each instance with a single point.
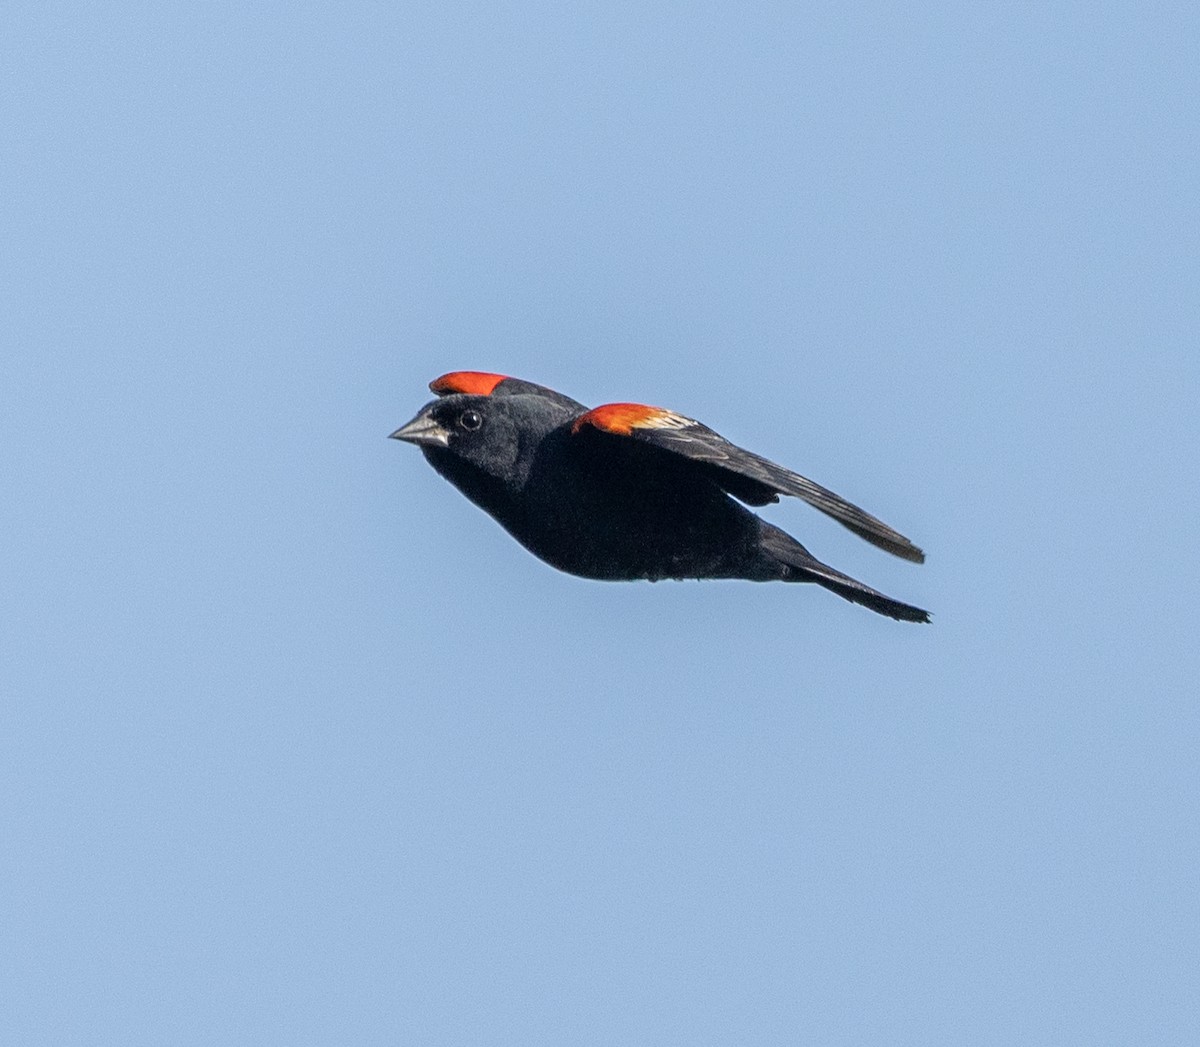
(298, 747)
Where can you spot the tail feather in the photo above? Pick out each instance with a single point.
(801, 566)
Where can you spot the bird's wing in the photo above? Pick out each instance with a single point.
(484, 383)
(745, 475)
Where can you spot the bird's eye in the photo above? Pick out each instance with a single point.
(470, 420)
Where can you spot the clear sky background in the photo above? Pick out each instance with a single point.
(298, 747)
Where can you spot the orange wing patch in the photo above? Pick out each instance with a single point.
(476, 383)
(622, 419)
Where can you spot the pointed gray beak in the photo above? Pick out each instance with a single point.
(423, 431)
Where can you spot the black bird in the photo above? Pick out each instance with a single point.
(626, 491)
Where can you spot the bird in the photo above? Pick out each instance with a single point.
(627, 491)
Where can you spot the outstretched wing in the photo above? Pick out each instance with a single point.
(745, 475)
(485, 383)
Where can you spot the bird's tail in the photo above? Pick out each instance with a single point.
(799, 565)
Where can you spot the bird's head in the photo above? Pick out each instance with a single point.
(484, 445)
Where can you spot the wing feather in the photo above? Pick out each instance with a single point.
(745, 475)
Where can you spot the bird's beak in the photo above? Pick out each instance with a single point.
(423, 431)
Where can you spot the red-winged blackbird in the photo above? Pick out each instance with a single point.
(626, 491)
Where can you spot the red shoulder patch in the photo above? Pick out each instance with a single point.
(622, 419)
(475, 383)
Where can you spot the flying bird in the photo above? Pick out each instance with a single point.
(626, 491)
